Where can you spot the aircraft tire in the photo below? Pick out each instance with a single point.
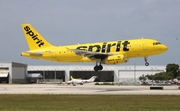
(100, 67)
(96, 68)
(146, 64)
(74, 84)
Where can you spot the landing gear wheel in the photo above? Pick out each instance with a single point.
(146, 64)
(100, 67)
(96, 68)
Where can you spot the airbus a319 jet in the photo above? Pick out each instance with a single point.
(110, 52)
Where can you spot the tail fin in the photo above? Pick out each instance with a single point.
(33, 38)
(92, 78)
(71, 77)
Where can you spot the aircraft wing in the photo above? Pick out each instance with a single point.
(90, 54)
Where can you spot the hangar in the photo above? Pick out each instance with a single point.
(110, 73)
(13, 72)
(22, 73)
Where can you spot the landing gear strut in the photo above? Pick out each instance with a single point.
(98, 67)
(146, 63)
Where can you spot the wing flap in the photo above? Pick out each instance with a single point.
(90, 54)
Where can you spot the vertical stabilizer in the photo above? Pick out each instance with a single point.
(92, 78)
(33, 38)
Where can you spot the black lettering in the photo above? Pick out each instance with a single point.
(109, 47)
(98, 48)
(104, 47)
(38, 41)
(26, 28)
(33, 36)
(82, 47)
(42, 43)
(125, 48)
(30, 33)
(118, 46)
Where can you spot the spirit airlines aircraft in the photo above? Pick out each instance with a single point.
(111, 52)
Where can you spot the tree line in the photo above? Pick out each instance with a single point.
(172, 72)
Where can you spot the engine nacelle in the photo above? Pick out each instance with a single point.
(116, 59)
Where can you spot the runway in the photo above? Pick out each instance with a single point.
(85, 89)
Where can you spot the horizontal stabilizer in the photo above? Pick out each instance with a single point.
(32, 53)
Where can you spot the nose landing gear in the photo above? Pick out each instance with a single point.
(146, 62)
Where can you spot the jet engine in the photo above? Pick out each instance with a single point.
(116, 59)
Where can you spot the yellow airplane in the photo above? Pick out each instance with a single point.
(112, 52)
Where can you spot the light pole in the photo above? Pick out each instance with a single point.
(134, 73)
(177, 52)
(152, 70)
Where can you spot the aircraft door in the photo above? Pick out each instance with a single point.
(54, 55)
(144, 44)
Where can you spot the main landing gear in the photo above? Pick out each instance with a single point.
(146, 62)
(98, 67)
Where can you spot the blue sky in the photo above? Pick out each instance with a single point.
(64, 22)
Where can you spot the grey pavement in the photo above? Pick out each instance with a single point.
(85, 89)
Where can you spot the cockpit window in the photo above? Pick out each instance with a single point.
(156, 43)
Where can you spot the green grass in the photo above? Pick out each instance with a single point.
(35, 102)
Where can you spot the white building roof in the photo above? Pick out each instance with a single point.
(45, 68)
(90, 68)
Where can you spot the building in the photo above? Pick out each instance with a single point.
(13, 73)
(22, 73)
(110, 73)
